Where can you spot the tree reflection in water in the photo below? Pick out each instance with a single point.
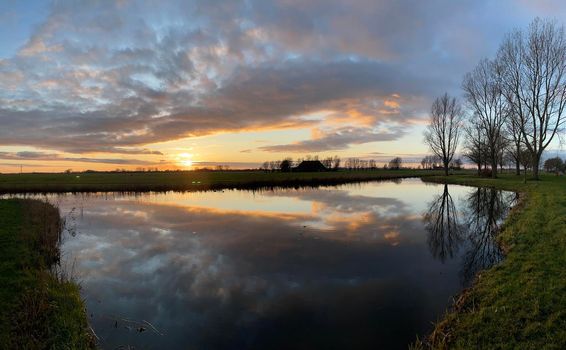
(473, 228)
(443, 227)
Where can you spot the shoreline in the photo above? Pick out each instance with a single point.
(520, 302)
(41, 307)
(191, 181)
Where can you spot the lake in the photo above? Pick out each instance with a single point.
(359, 266)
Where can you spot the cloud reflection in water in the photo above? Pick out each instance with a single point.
(341, 267)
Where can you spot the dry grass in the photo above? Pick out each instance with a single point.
(39, 310)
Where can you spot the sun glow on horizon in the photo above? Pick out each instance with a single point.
(185, 159)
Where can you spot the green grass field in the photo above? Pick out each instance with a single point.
(39, 310)
(188, 180)
(520, 303)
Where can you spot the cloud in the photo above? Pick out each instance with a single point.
(268, 96)
(27, 156)
(337, 139)
(113, 77)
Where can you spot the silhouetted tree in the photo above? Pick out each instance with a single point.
(274, 165)
(430, 162)
(483, 91)
(395, 163)
(286, 165)
(353, 163)
(515, 138)
(327, 162)
(336, 163)
(526, 159)
(534, 66)
(372, 164)
(474, 144)
(443, 132)
(456, 164)
(555, 164)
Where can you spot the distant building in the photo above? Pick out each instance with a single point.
(310, 166)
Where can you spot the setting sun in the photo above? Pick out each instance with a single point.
(185, 159)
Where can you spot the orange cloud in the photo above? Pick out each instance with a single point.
(391, 104)
(392, 237)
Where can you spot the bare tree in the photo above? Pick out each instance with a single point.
(535, 83)
(335, 163)
(483, 91)
(504, 144)
(456, 164)
(430, 162)
(395, 163)
(354, 163)
(474, 146)
(372, 164)
(274, 165)
(443, 132)
(555, 165)
(516, 140)
(526, 158)
(286, 165)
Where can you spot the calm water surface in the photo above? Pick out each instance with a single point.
(365, 266)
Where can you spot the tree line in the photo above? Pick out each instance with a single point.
(554, 165)
(288, 163)
(434, 162)
(513, 104)
(331, 163)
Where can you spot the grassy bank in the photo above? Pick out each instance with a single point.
(39, 310)
(520, 303)
(188, 180)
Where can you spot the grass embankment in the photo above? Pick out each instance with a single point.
(520, 303)
(39, 310)
(189, 180)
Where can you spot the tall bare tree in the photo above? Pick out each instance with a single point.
(335, 163)
(474, 144)
(483, 92)
(327, 162)
(513, 133)
(443, 132)
(535, 83)
(395, 163)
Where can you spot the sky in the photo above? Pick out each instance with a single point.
(182, 84)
